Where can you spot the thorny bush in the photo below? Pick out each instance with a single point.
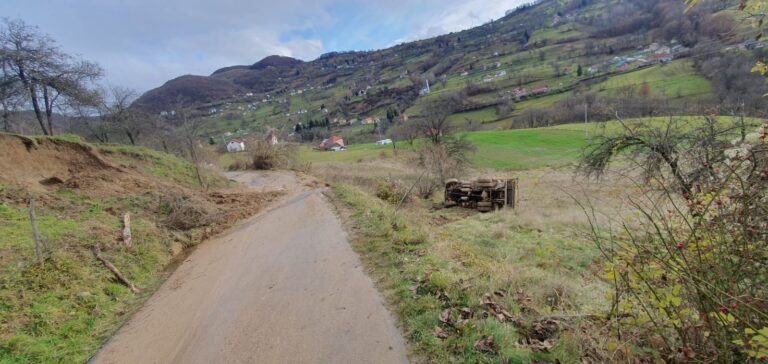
(690, 272)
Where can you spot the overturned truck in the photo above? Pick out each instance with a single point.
(483, 194)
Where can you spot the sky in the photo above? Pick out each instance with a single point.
(143, 43)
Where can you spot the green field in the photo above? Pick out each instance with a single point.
(526, 148)
(677, 79)
(516, 149)
(504, 150)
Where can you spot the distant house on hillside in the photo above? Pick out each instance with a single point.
(384, 142)
(540, 90)
(235, 145)
(488, 78)
(520, 92)
(332, 143)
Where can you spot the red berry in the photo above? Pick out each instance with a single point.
(733, 306)
(680, 246)
(723, 310)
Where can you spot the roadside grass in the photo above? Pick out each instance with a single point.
(64, 310)
(429, 262)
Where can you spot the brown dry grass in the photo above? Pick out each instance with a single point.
(539, 255)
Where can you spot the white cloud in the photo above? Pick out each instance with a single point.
(459, 15)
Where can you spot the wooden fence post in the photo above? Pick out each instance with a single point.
(127, 237)
(35, 232)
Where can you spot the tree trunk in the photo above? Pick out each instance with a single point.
(6, 121)
(193, 154)
(36, 107)
(48, 109)
(130, 137)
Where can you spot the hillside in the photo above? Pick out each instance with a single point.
(535, 57)
(189, 89)
(65, 308)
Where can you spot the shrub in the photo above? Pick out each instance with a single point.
(184, 212)
(391, 191)
(266, 156)
(689, 274)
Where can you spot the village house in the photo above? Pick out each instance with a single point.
(520, 92)
(488, 78)
(334, 143)
(540, 90)
(235, 146)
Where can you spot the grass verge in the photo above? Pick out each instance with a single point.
(447, 277)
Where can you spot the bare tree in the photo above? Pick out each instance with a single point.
(447, 159)
(190, 131)
(685, 151)
(408, 131)
(117, 110)
(10, 98)
(50, 78)
(433, 122)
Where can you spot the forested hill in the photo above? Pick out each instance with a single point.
(536, 56)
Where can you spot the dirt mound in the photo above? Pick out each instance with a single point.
(46, 164)
(38, 163)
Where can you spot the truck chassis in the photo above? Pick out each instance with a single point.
(482, 194)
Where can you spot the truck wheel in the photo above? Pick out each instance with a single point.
(484, 206)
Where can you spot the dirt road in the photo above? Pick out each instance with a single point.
(285, 287)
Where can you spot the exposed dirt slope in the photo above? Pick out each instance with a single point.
(34, 163)
(46, 164)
